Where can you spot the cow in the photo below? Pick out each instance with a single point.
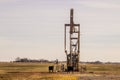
(51, 68)
(69, 69)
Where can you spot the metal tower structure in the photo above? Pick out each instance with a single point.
(72, 43)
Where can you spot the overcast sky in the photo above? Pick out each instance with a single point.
(35, 29)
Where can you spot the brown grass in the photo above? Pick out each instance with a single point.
(39, 71)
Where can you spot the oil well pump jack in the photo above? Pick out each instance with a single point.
(72, 43)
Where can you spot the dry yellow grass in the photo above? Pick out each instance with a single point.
(38, 71)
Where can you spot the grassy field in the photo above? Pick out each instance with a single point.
(39, 71)
(104, 68)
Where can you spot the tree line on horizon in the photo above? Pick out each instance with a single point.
(18, 59)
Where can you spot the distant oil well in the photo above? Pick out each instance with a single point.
(72, 43)
(71, 47)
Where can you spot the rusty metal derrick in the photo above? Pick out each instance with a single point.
(73, 51)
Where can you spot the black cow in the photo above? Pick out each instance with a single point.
(51, 68)
(69, 69)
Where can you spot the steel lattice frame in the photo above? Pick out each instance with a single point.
(74, 43)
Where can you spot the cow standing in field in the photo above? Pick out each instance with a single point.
(69, 69)
(51, 68)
